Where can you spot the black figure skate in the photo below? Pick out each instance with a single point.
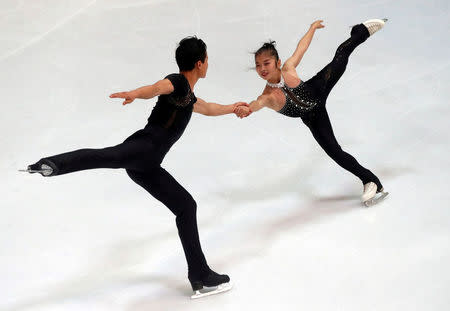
(215, 283)
(44, 167)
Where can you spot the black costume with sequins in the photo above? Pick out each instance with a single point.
(308, 100)
(299, 101)
(141, 155)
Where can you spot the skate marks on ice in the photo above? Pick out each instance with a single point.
(15, 6)
(166, 287)
(267, 182)
(112, 274)
(254, 239)
(41, 36)
(119, 4)
(83, 289)
(276, 217)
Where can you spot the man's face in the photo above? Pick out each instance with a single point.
(204, 67)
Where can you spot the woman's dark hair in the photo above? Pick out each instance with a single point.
(268, 47)
(189, 51)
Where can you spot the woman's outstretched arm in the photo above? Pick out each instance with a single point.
(293, 61)
(146, 92)
(262, 101)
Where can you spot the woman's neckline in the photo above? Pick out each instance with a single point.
(277, 85)
(282, 84)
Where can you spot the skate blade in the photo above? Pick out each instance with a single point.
(215, 290)
(30, 171)
(43, 172)
(376, 199)
(383, 19)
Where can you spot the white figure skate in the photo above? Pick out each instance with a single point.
(373, 25)
(371, 196)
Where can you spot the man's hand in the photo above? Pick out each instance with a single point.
(317, 24)
(242, 110)
(128, 96)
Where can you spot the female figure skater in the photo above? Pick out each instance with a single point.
(141, 154)
(287, 94)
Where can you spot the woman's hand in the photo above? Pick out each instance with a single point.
(317, 24)
(128, 96)
(242, 110)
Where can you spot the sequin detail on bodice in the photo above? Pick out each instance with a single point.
(299, 101)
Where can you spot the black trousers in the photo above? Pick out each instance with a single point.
(319, 122)
(141, 155)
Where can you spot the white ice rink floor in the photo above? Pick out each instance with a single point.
(275, 213)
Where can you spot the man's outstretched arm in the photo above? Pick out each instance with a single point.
(213, 109)
(146, 92)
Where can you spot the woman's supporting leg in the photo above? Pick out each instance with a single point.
(162, 186)
(323, 133)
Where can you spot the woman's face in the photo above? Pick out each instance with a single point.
(266, 66)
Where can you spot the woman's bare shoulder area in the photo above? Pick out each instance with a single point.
(291, 78)
(276, 98)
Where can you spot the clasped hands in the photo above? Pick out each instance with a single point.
(242, 109)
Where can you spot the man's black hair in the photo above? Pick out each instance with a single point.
(190, 50)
